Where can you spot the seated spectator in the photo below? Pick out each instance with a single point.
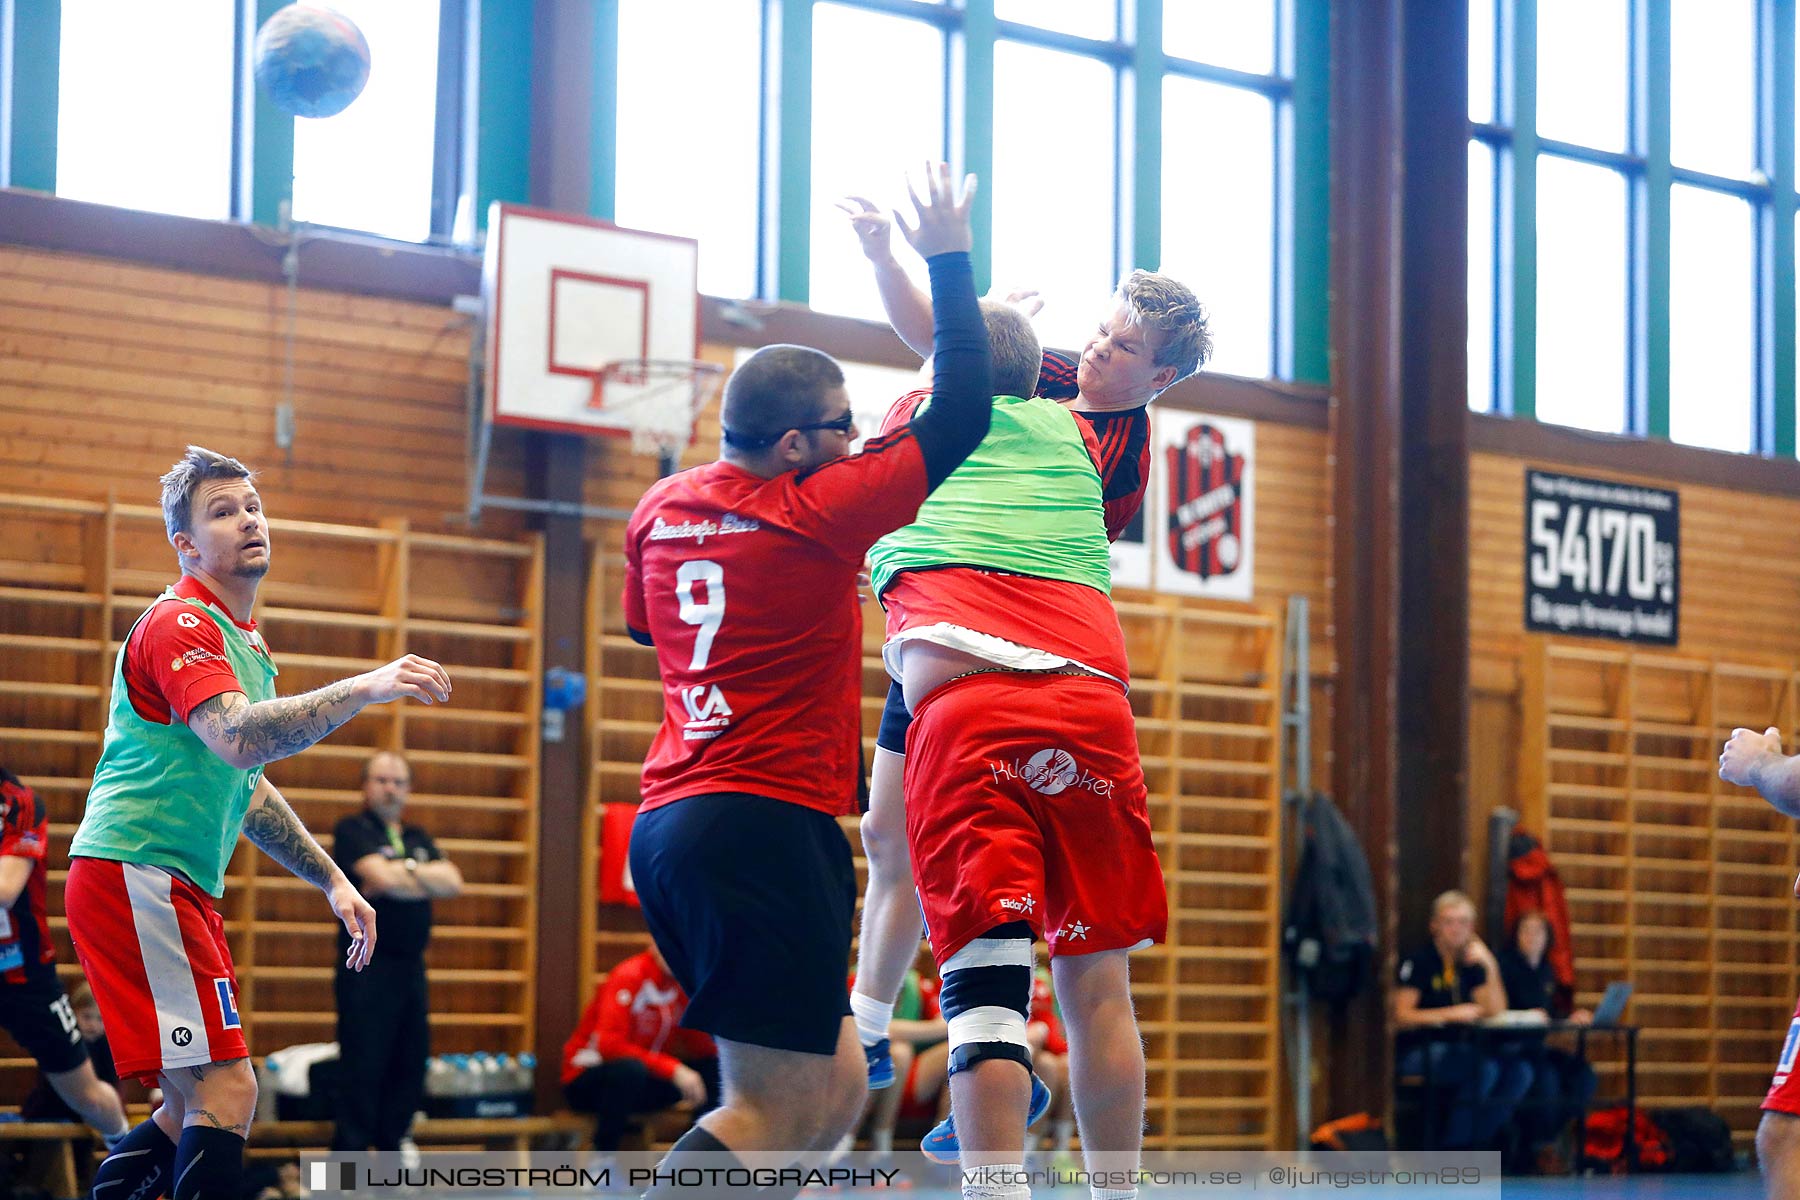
(42, 1103)
(629, 1057)
(1050, 1059)
(1562, 1082)
(1454, 980)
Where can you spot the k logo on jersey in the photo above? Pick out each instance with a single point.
(188, 620)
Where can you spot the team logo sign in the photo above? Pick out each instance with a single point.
(188, 620)
(1205, 512)
(181, 1035)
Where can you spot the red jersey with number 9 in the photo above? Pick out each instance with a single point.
(747, 588)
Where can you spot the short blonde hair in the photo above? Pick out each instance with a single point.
(1157, 302)
(1451, 899)
(1014, 348)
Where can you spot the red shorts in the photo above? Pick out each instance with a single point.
(1025, 801)
(154, 952)
(1784, 1092)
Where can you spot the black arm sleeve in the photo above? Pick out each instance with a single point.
(962, 389)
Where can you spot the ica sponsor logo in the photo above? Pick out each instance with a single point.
(708, 713)
(1051, 772)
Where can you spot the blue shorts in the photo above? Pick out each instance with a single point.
(895, 721)
(751, 901)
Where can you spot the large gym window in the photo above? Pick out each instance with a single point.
(1055, 183)
(692, 169)
(144, 106)
(1626, 269)
(864, 135)
(370, 167)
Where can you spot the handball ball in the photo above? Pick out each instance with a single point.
(310, 61)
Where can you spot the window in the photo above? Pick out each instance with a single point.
(1239, 34)
(1583, 51)
(1055, 180)
(1712, 320)
(144, 106)
(1481, 277)
(693, 170)
(1222, 245)
(1609, 211)
(1581, 295)
(874, 116)
(370, 167)
(1712, 86)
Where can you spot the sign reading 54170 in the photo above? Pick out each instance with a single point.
(1602, 559)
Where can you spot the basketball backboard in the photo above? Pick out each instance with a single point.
(568, 295)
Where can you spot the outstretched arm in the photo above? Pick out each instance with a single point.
(251, 735)
(1754, 759)
(908, 308)
(272, 827)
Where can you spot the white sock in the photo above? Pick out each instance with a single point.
(998, 1181)
(872, 1017)
(1064, 1130)
(881, 1141)
(1110, 1194)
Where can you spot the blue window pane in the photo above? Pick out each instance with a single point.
(369, 167)
(1055, 176)
(1220, 241)
(692, 168)
(1226, 33)
(1481, 277)
(1481, 61)
(1712, 319)
(1712, 86)
(1583, 49)
(875, 117)
(144, 106)
(1084, 18)
(1581, 295)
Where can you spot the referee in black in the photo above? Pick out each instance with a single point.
(384, 1034)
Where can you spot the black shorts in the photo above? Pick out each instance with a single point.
(751, 901)
(895, 721)
(37, 1014)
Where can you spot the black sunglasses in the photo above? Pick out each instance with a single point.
(745, 441)
(836, 424)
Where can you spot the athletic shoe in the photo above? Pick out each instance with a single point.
(941, 1145)
(881, 1065)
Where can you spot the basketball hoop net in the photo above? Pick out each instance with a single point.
(656, 401)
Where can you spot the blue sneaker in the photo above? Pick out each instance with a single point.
(941, 1145)
(881, 1065)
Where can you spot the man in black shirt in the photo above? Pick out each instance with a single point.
(383, 1032)
(1455, 981)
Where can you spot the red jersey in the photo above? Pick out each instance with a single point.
(25, 927)
(176, 660)
(636, 1013)
(1123, 455)
(747, 588)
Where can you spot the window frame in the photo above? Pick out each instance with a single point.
(1650, 174)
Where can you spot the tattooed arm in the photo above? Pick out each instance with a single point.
(272, 827)
(250, 735)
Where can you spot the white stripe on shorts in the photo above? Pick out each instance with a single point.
(165, 960)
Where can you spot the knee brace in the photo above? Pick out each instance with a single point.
(987, 996)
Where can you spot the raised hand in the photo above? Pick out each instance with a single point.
(1026, 300)
(409, 675)
(943, 216)
(873, 229)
